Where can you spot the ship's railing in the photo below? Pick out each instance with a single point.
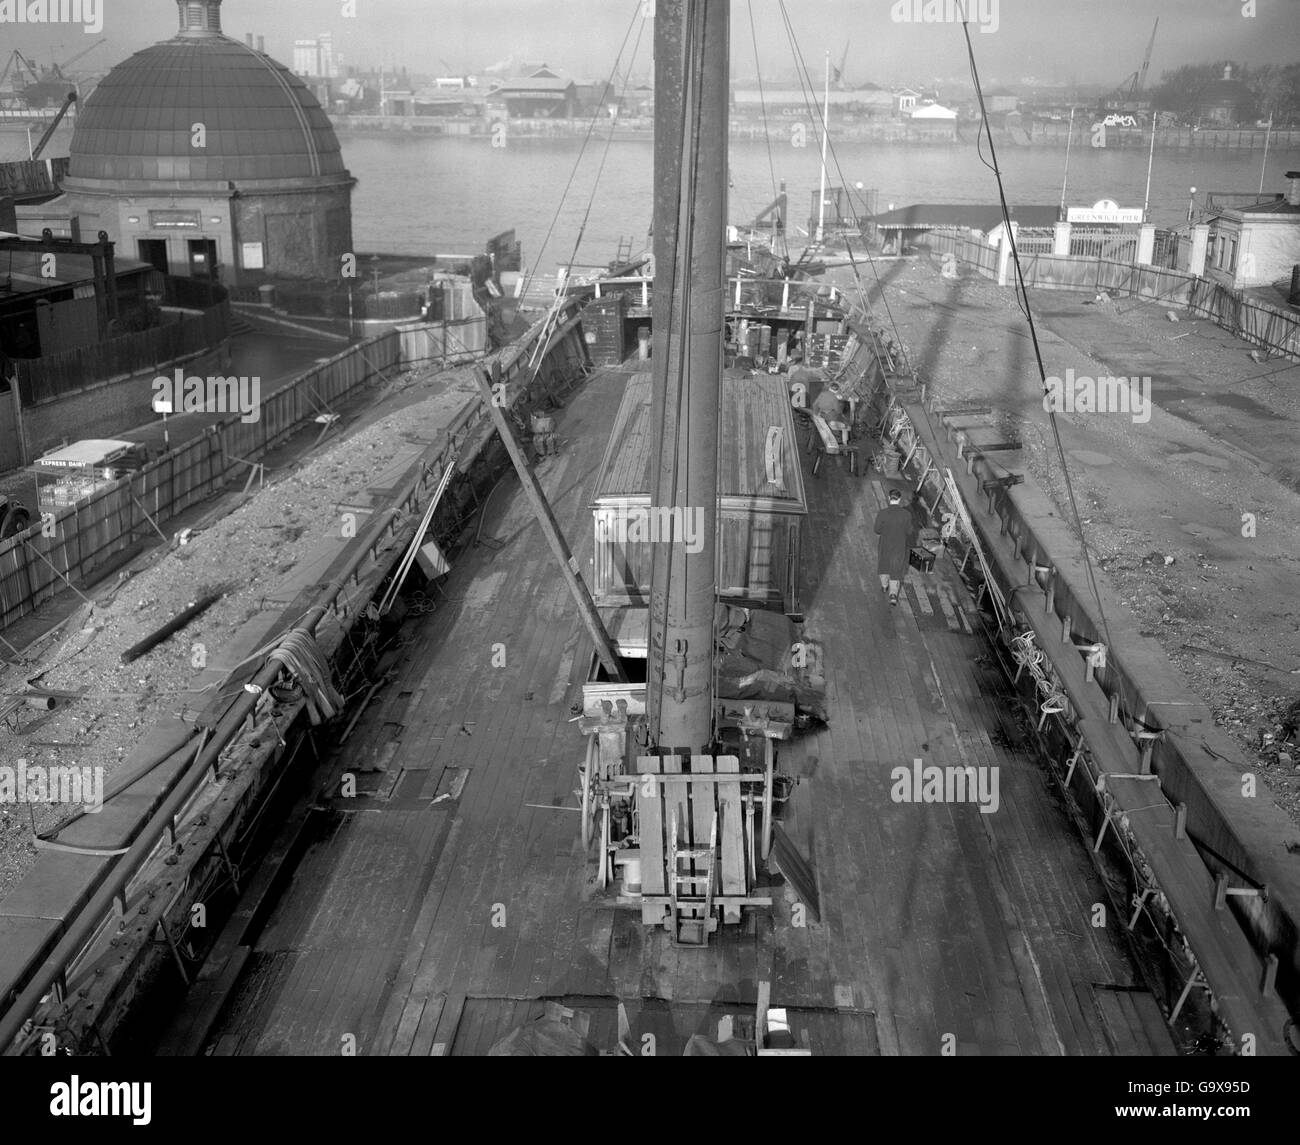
(742, 290)
(1115, 728)
(335, 608)
(1253, 319)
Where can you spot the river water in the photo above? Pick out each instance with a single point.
(444, 194)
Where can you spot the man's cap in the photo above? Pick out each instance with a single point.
(895, 495)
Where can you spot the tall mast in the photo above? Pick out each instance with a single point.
(826, 114)
(691, 80)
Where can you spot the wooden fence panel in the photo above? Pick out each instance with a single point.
(55, 375)
(91, 533)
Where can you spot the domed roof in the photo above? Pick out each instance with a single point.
(1223, 91)
(261, 121)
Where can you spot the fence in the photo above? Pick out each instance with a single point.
(88, 535)
(1117, 246)
(30, 176)
(1035, 241)
(54, 375)
(1251, 319)
(1167, 249)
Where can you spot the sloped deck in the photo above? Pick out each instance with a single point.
(421, 925)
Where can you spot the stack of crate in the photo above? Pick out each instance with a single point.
(826, 349)
(602, 325)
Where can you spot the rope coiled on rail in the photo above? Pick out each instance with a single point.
(301, 656)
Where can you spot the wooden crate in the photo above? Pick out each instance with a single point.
(602, 326)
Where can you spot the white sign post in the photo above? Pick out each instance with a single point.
(163, 404)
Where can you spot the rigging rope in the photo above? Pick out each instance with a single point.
(591, 127)
(762, 103)
(301, 656)
(1023, 297)
(1021, 292)
(608, 140)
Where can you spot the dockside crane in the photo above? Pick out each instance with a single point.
(1140, 84)
(22, 68)
(59, 71)
(1128, 96)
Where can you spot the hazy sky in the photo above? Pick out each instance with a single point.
(1084, 41)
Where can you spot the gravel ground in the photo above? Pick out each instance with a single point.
(244, 555)
(1162, 502)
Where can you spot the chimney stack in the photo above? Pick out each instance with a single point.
(1293, 188)
(248, 38)
(261, 44)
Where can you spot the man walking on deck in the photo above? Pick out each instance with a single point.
(896, 531)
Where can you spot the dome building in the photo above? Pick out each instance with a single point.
(1225, 102)
(207, 158)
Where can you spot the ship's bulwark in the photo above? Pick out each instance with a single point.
(691, 53)
(443, 914)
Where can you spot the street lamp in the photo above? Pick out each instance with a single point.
(1191, 202)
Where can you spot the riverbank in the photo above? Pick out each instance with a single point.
(1032, 133)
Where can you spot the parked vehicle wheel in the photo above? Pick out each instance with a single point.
(15, 521)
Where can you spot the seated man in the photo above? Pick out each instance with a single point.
(830, 410)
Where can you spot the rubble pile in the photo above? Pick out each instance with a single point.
(243, 556)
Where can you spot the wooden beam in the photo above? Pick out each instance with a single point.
(797, 869)
(551, 529)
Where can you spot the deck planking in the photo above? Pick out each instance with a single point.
(942, 927)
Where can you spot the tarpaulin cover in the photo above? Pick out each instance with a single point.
(544, 1038)
(698, 1046)
(756, 653)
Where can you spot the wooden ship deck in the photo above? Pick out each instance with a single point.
(443, 907)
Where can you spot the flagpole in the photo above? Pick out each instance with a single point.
(826, 111)
(1066, 177)
(1151, 158)
(1264, 165)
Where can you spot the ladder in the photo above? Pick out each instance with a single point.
(692, 913)
(624, 250)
